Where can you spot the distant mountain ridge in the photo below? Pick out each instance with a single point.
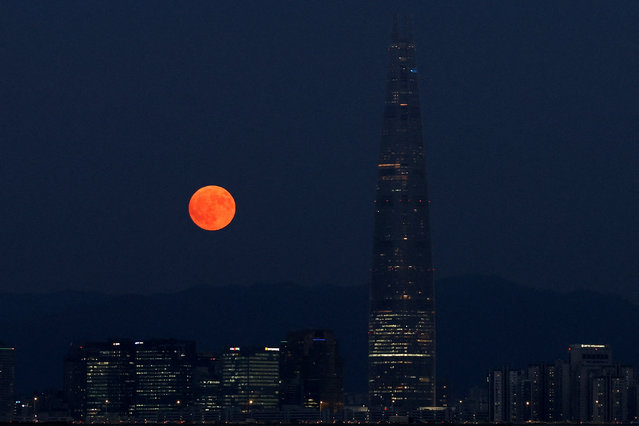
(483, 322)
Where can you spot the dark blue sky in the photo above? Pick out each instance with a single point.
(114, 113)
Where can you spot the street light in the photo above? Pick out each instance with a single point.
(35, 411)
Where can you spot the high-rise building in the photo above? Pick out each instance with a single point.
(250, 378)
(207, 379)
(532, 394)
(599, 390)
(311, 371)
(499, 396)
(121, 380)
(586, 361)
(7, 381)
(401, 345)
(109, 385)
(164, 380)
(99, 380)
(588, 388)
(474, 407)
(613, 399)
(551, 405)
(504, 395)
(75, 381)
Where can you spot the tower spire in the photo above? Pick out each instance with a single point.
(395, 30)
(402, 28)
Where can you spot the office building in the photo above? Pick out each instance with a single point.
(401, 342)
(207, 379)
(99, 380)
(250, 378)
(311, 371)
(164, 390)
(121, 380)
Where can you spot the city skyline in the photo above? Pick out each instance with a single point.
(160, 380)
(116, 114)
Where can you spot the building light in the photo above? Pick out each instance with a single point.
(269, 349)
(393, 355)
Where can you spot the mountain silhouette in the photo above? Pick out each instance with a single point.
(482, 322)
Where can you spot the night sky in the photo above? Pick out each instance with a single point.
(114, 113)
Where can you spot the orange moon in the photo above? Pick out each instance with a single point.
(212, 208)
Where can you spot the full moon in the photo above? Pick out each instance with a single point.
(212, 208)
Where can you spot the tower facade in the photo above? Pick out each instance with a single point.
(401, 345)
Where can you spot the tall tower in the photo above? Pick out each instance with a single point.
(401, 343)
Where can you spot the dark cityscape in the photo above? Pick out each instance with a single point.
(285, 213)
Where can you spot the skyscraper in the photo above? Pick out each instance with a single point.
(311, 371)
(163, 379)
(207, 382)
(250, 378)
(98, 381)
(401, 341)
(121, 380)
(109, 381)
(7, 381)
